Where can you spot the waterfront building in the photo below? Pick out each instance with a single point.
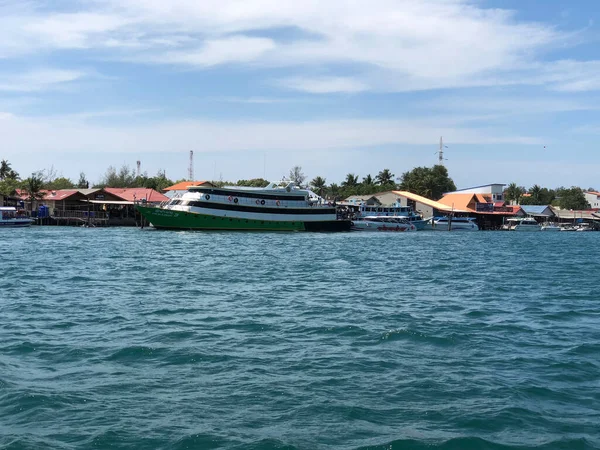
(491, 213)
(541, 213)
(422, 205)
(593, 198)
(494, 191)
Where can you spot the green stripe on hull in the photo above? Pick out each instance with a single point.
(181, 220)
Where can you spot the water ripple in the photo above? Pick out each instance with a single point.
(122, 338)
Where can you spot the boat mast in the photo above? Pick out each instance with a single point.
(441, 152)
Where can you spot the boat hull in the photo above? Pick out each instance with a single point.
(18, 223)
(186, 220)
(382, 227)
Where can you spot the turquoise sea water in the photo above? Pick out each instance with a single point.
(127, 338)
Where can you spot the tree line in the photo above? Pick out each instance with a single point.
(430, 182)
(565, 198)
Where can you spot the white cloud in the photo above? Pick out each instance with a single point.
(324, 85)
(37, 80)
(71, 134)
(235, 49)
(395, 45)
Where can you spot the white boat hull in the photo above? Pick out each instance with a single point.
(453, 226)
(380, 226)
(527, 228)
(550, 228)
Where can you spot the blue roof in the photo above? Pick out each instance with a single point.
(535, 209)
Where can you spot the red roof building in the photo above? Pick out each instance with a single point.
(137, 194)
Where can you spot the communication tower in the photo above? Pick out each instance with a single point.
(440, 153)
(191, 168)
(139, 167)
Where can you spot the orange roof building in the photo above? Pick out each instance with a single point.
(183, 185)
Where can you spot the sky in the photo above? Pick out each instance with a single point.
(255, 87)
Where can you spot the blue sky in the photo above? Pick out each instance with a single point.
(255, 87)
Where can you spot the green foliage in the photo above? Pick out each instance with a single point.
(7, 172)
(254, 182)
(32, 186)
(335, 191)
(59, 183)
(514, 193)
(368, 181)
(297, 176)
(159, 182)
(428, 182)
(385, 177)
(538, 196)
(351, 181)
(572, 198)
(124, 178)
(319, 185)
(9, 186)
(83, 183)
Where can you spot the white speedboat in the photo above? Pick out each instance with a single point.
(523, 224)
(378, 223)
(11, 218)
(452, 224)
(550, 227)
(526, 224)
(396, 211)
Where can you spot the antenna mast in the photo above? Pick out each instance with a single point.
(441, 152)
(191, 168)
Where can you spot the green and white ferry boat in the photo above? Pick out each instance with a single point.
(275, 207)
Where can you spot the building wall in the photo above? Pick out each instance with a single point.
(593, 200)
(495, 190)
(421, 208)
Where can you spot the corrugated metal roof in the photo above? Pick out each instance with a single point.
(461, 201)
(133, 194)
(537, 210)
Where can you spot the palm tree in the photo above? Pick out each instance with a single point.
(6, 172)
(334, 191)
(535, 192)
(368, 180)
(33, 186)
(350, 181)
(385, 177)
(319, 185)
(513, 193)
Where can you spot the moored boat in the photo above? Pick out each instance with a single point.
(380, 223)
(396, 211)
(526, 224)
(272, 208)
(11, 218)
(550, 227)
(452, 224)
